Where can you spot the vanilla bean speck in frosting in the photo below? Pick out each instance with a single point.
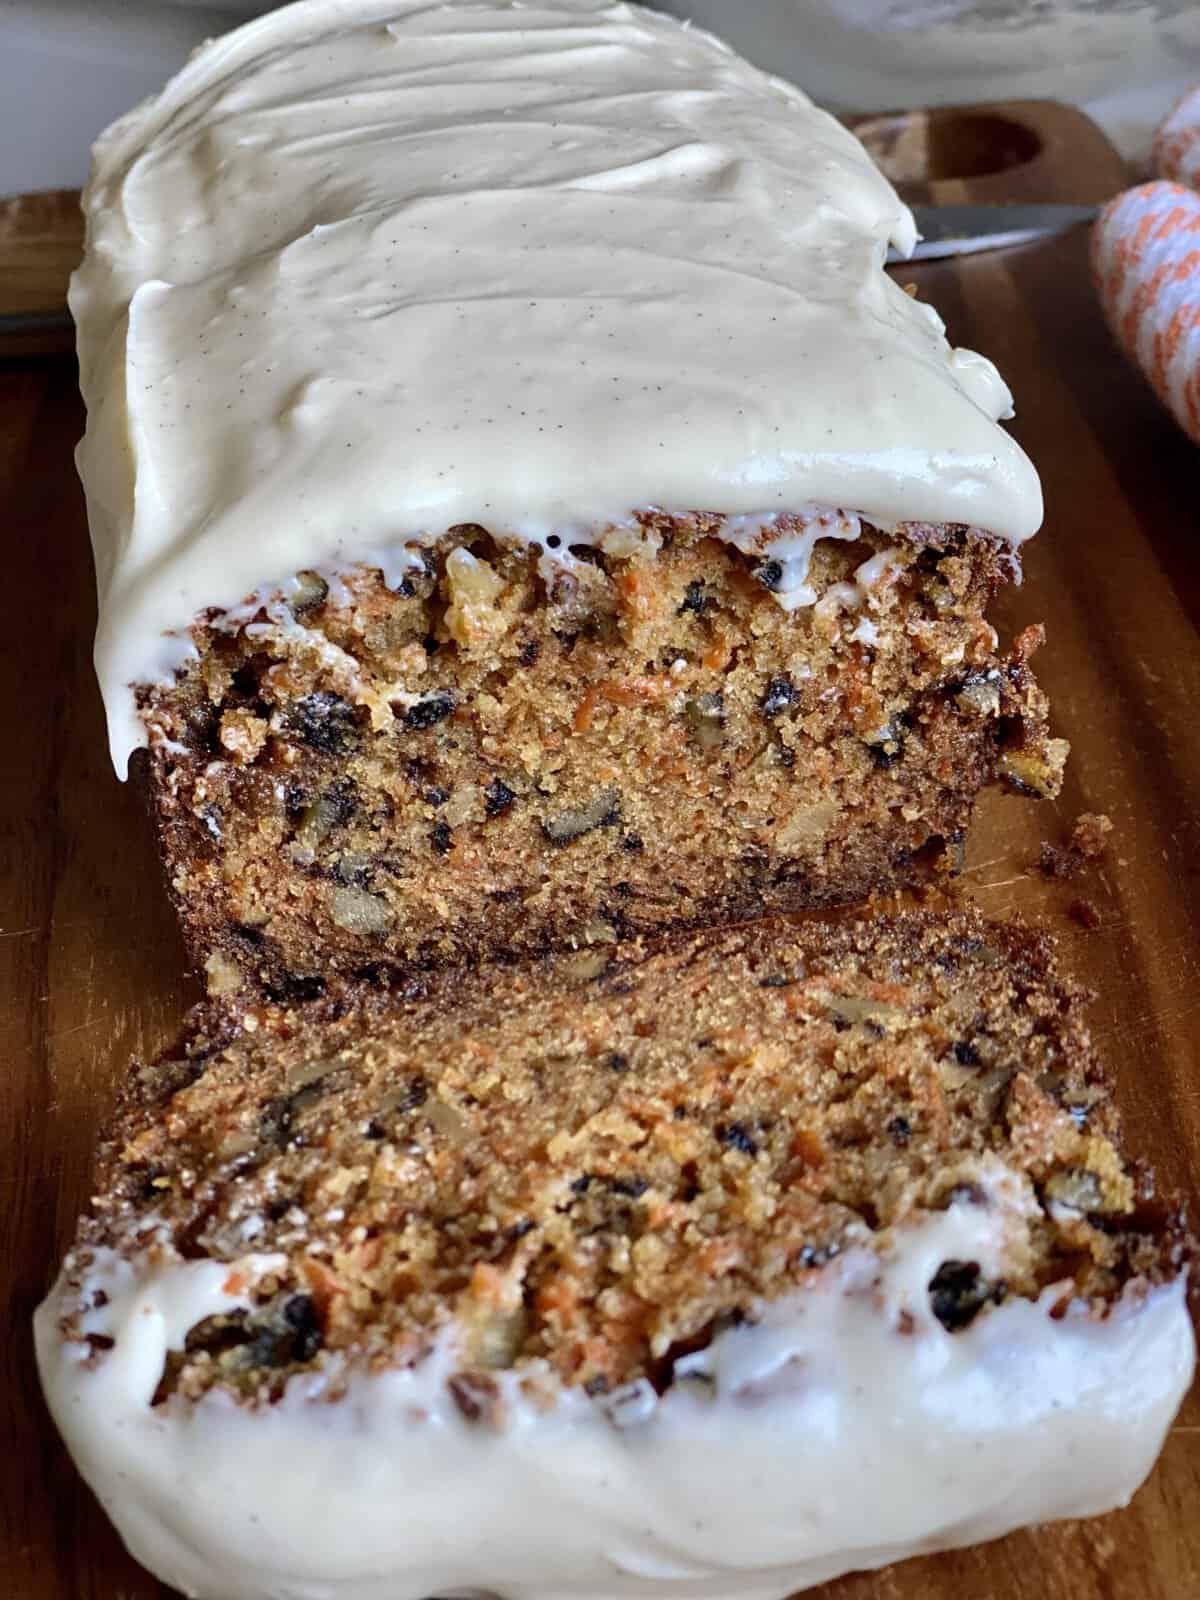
(367, 270)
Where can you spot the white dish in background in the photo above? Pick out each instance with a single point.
(1123, 61)
(68, 67)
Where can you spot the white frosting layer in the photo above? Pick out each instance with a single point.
(370, 268)
(844, 1429)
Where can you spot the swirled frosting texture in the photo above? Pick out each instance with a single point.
(367, 269)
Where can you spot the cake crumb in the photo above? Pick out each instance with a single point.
(1055, 861)
(243, 735)
(1086, 913)
(1090, 834)
(593, 1170)
(221, 976)
(1087, 843)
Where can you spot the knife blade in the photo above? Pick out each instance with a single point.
(28, 334)
(958, 230)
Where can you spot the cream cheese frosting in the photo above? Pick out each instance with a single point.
(843, 1428)
(368, 269)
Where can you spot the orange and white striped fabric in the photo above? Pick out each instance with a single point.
(1146, 262)
(1177, 142)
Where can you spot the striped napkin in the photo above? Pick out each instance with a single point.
(1146, 262)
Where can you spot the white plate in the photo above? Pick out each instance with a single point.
(68, 67)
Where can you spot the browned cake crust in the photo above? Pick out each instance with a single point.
(599, 1159)
(500, 757)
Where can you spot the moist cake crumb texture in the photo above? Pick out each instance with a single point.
(598, 1161)
(497, 756)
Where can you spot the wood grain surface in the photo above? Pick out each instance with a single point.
(41, 236)
(91, 969)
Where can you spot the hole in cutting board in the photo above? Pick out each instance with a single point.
(945, 142)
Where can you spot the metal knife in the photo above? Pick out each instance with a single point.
(959, 230)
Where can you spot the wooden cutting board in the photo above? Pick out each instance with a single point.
(90, 967)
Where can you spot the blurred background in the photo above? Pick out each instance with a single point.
(67, 67)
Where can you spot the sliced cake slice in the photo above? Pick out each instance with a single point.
(723, 1268)
(654, 744)
(526, 513)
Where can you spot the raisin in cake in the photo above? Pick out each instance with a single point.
(526, 514)
(632, 1273)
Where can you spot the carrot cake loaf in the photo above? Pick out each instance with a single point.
(526, 514)
(631, 1273)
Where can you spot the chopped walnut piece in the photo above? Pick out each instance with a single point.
(221, 975)
(1039, 775)
(473, 616)
(243, 735)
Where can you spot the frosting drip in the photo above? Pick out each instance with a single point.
(844, 1428)
(366, 270)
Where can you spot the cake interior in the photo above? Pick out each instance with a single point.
(502, 754)
(598, 1161)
